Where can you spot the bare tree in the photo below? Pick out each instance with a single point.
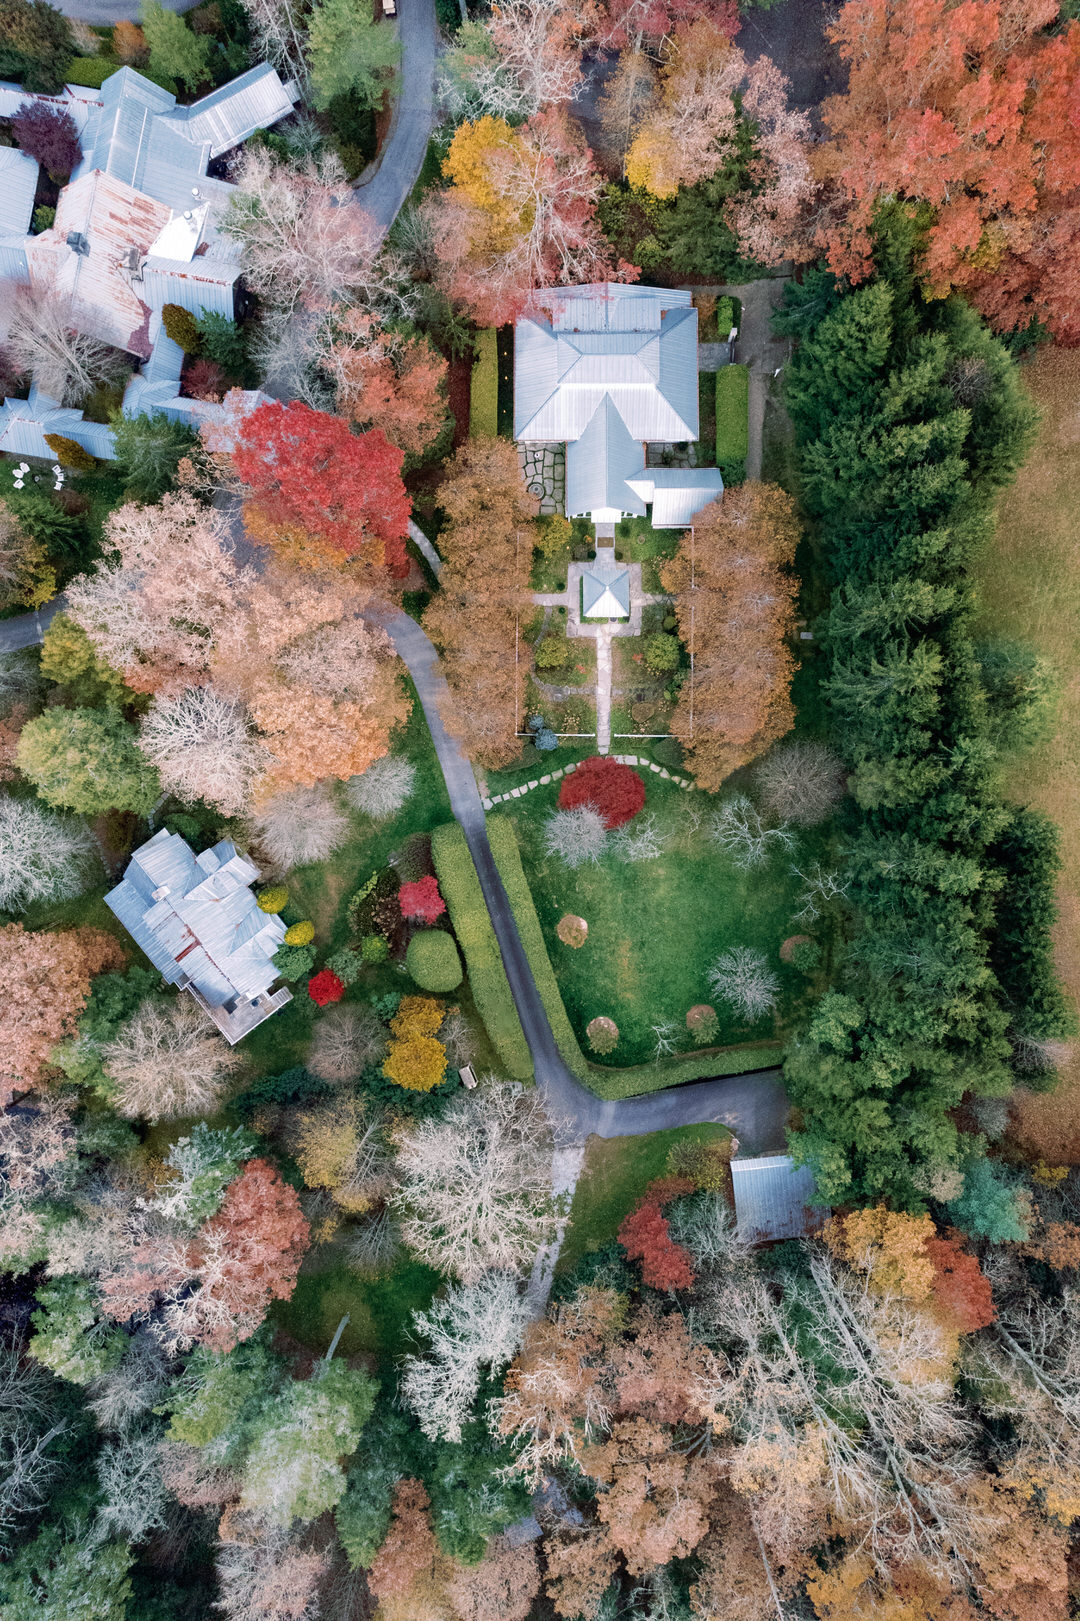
(129, 1471)
(638, 840)
(272, 1575)
(168, 1061)
(1039, 1054)
(346, 1040)
(299, 826)
(473, 1327)
(383, 788)
(663, 1039)
(802, 781)
(43, 856)
(375, 1244)
(475, 1187)
(530, 58)
(30, 1423)
(343, 660)
(66, 364)
(278, 35)
(743, 979)
(202, 745)
(737, 827)
(576, 836)
(458, 1037)
(130, 1390)
(285, 350)
(821, 890)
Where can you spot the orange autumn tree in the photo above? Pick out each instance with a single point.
(735, 606)
(972, 111)
(44, 983)
(388, 381)
(483, 591)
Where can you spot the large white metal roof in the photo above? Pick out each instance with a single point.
(773, 1198)
(677, 494)
(18, 182)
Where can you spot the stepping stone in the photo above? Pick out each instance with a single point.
(545, 780)
(653, 766)
(555, 775)
(487, 803)
(530, 785)
(665, 773)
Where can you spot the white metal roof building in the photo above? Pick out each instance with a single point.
(773, 1198)
(607, 369)
(197, 920)
(18, 183)
(605, 588)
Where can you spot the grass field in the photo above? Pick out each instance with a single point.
(656, 926)
(617, 1171)
(1029, 588)
(379, 1309)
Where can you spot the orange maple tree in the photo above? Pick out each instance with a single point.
(971, 111)
(44, 983)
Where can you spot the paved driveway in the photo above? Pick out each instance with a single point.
(115, 11)
(402, 156)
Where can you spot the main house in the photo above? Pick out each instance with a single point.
(199, 923)
(608, 370)
(136, 228)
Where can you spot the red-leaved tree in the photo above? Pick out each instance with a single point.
(613, 789)
(421, 900)
(325, 987)
(646, 1237)
(318, 492)
(48, 134)
(633, 22)
(961, 1289)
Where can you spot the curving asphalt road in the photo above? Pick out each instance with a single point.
(754, 1106)
(383, 189)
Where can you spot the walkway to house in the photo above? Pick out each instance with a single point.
(758, 348)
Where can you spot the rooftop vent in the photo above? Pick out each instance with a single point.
(77, 242)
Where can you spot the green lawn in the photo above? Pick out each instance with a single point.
(380, 1309)
(656, 926)
(617, 1171)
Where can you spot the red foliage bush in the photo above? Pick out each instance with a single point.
(49, 135)
(421, 900)
(205, 380)
(615, 790)
(325, 987)
(645, 1237)
(961, 1290)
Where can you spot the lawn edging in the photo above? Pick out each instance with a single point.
(460, 888)
(609, 1084)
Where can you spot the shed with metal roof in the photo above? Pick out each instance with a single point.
(773, 1198)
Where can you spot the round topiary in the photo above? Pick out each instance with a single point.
(274, 900)
(301, 934)
(615, 790)
(602, 1034)
(572, 931)
(432, 960)
(373, 949)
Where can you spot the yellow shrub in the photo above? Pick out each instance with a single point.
(417, 1016)
(418, 1063)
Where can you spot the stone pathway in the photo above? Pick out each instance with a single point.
(543, 464)
(491, 800)
(604, 634)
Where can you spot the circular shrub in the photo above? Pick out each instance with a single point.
(661, 653)
(432, 960)
(552, 653)
(702, 1023)
(602, 1034)
(615, 790)
(301, 934)
(572, 931)
(325, 987)
(373, 949)
(792, 944)
(293, 962)
(274, 900)
(546, 740)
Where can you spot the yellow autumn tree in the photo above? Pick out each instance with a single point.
(415, 1062)
(476, 163)
(889, 1247)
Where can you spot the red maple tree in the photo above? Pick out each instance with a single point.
(317, 486)
(422, 900)
(616, 791)
(961, 1289)
(325, 987)
(646, 1237)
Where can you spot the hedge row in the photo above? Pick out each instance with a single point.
(484, 393)
(606, 1083)
(487, 977)
(90, 73)
(732, 414)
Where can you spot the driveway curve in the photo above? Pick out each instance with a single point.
(382, 191)
(754, 1106)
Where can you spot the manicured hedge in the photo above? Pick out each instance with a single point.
(732, 414)
(606, 1083)
(432, 960)
(484, 394)
(90, 73)
(487, 977)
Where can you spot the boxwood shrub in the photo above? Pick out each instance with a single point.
(484, 394)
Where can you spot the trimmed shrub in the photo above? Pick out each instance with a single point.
(702, 1023)
(300, 934)
(293, 962)
(44, 217)
(347, 963)
(732, 414)
(572, 931)
(432, 960)
(373, 949)
(484, 394)
(90, 72)
(325, 987)
(661, 653)
(181, 326)
(602, 1034)
(476, 937)
(69, 453)
(552, 653)
(421, 899)
(273, 900)
(616, 791)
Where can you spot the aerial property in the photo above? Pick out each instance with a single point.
(610, 371)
